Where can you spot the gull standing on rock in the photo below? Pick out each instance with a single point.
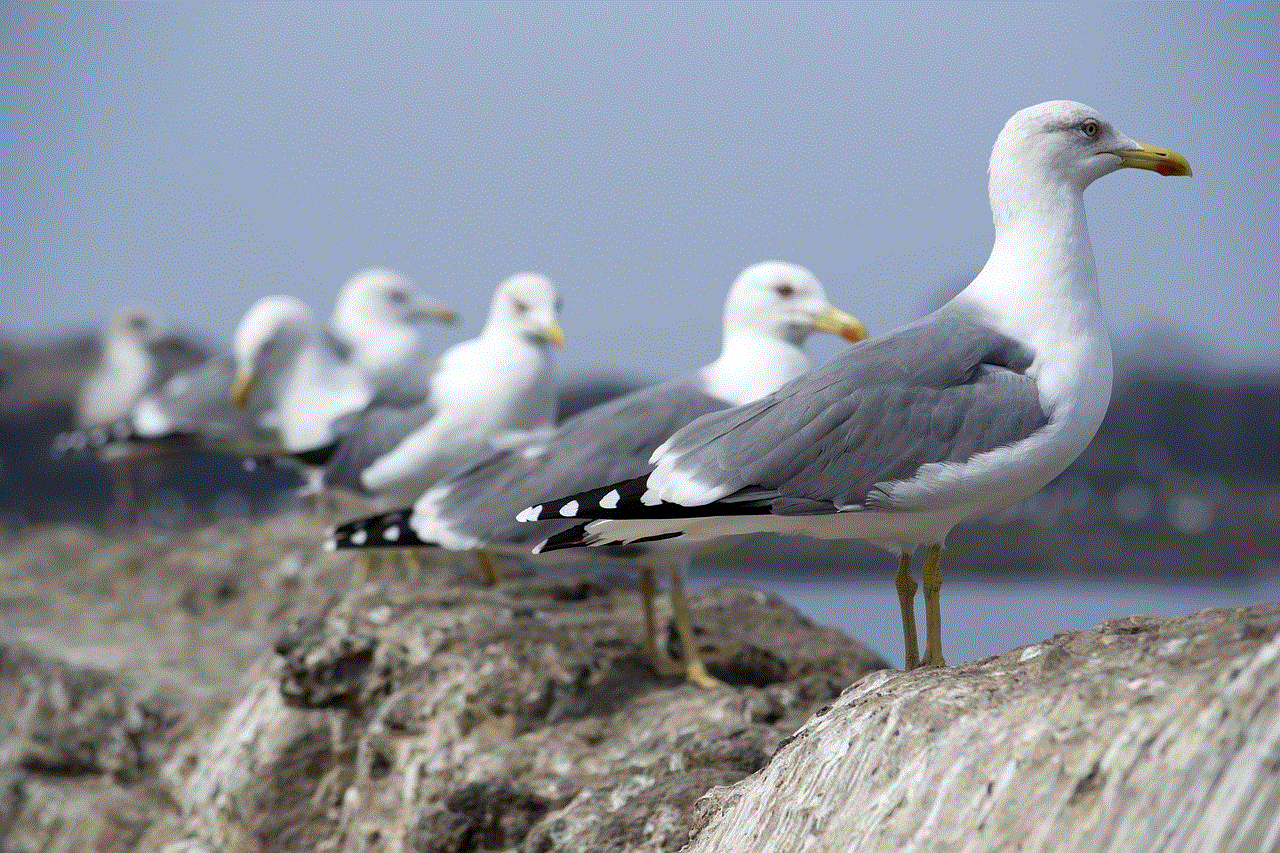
(951, 418)
(126, 370)
(376, 317)
(770, 310)
(288, 368)
(491, 391)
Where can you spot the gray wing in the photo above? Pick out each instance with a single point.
(941, 390)
(196, 405)
(407, 385)
(603, 444)
(369, 435)
(336, 343)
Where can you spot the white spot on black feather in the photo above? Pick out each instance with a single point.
(610, 500)
(392, 533)
(359, 537)
(570, 509)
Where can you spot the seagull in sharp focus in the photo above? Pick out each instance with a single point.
(951, 418)
(770, 310)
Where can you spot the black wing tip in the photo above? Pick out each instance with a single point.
(385, 530)
(574, 537)
(617, 500)
(578, 537)
(316, 457)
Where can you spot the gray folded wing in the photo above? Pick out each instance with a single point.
(941, 390)
(369, 435)
(606, 443)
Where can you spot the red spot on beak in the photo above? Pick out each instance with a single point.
(1168, 169)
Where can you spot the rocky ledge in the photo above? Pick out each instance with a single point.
(230, 691)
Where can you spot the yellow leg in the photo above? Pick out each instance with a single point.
(362, 568)
(907, 599)
(658, 660)
(490, 575)
(412, 563)
(694, 670)
(931, 578)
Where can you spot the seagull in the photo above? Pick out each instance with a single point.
(299, 383)
(951, 418)
(373, 326)
(126, 370)
(491, 391)
(770, 310)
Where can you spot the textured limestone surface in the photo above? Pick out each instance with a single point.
(229, 690)
(1142, 734)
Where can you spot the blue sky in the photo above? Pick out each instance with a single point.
(191, 157)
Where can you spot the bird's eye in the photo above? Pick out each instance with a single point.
(786, 291)
(398, 296)
(1090, 128)
(521, 307)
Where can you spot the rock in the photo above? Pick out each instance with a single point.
(1142, 734)
(421, 718)
(228, 690)
(285, 711)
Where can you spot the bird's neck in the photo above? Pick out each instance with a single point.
(378, 346)
(1041, 272)
(500, 339)
(1040, 287)
(751, 365)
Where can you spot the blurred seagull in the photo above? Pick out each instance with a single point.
(376, 317)
(950, 418)
(770, 310)
(488, 392)
(126, 370)
(299, 384)
(372, 327)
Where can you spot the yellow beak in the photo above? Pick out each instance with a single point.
(837, 322)
(240, 390)
(1162, 160)
(438, 311)
(553, 334)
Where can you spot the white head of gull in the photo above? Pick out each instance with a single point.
(953, 417)
(376, 315)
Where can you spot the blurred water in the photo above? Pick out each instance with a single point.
(981, 618)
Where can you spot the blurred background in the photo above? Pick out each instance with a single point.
(189, 158)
